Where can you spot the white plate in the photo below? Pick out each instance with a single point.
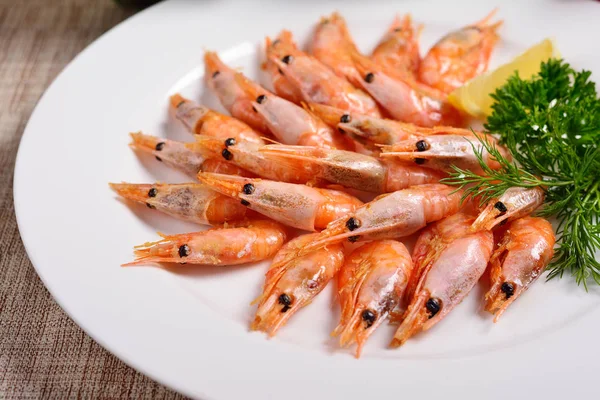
(189, 329)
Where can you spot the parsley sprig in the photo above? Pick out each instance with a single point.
(551, 125)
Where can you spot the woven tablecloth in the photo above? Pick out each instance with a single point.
(43, 354)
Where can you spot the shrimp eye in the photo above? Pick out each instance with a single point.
(229, 142)
(369, 77)
(150, 206)
(508, 289)
(152, 192)
(500, 207)
(345, 118)
(420, 161)
(248, 188)
(184, 250)
(226, 154)
(398, 30)
(215, 74)
(245, 202)
(352, 224)
(261, 99)
(354, 238)
(369, 317)
(433, 306)
(159, 146)
(287, 59)
(286, 301)
(422, 145)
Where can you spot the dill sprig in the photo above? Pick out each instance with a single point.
(551, 125)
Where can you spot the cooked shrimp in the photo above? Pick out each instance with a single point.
(281, 85)
(513, 204)
(188, 201)
(460, 55)
(332, 45)
(398, 51)
(315, 81)
(392, 215)
(204, 121)
(442, 152)
(403, 99)
(288, 122)
(353, 170)
(369, 131)
(240, 243)
(448, 276)
(182, 156)
(522, 255)
(246, 155)
(220, 78)
(370, 284)
(292, 285)
(299, 206)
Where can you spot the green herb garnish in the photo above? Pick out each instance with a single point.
(551, 125)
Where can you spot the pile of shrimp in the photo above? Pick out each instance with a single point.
(330, 165)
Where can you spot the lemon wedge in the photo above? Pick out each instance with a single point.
(474, 96)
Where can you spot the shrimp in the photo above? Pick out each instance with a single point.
(298, 206)
(182, 156)
(292, 285)
(188, 201)
(247, 156)
(398, 51)
(220, 78)
(332, 45)
(353, 170)
(514, 203)
(442, 152)
(523, 253)
(204, 121)
(403, 99)
(392, 215)
(367, 130)
(460, 55)
(315, 81)
(241, 243)
(370, 284)
(281, 85)
(448, 275)
(288, 122)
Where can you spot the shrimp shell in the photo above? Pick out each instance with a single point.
(370, 284)
(298, 206)
(188, 201)
(447, 278)
(201, 120)
(241, 243)
(292, 285)
(514, 203)
(523, 253)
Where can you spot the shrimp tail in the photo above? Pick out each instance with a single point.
(415, 318)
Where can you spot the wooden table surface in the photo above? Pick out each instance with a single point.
(43, 354)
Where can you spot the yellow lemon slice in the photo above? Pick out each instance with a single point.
(474, 96)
